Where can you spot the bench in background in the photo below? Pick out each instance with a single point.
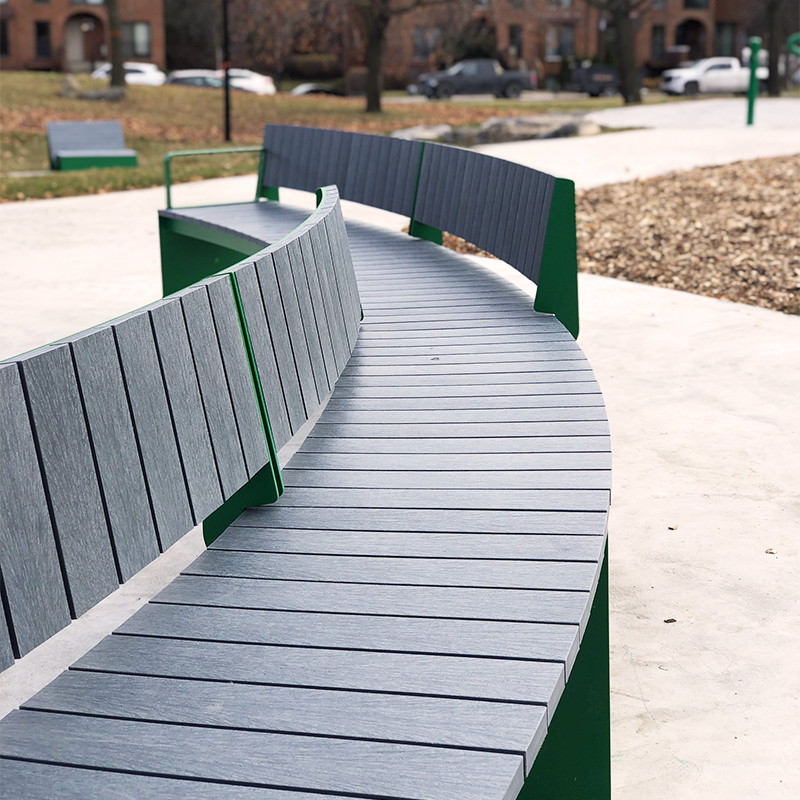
(83, 145)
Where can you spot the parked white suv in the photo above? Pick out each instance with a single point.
(720, 74)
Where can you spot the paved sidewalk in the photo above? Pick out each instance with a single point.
(702, 397)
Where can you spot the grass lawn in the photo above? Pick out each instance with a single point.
(159, 119)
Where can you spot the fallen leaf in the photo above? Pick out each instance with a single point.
(771, 551)
(671, 619)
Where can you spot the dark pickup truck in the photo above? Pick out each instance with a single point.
(476, 76)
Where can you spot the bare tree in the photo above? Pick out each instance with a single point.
(115, 45)
(625, 16)
(376, 16)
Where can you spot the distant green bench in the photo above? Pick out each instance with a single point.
(84, 145)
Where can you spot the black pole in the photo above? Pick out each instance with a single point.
(226, 57)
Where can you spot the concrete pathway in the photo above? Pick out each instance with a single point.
(702, 396)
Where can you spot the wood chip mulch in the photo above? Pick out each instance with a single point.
(731, 232)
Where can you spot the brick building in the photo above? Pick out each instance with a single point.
(541, 32)
(72, 35)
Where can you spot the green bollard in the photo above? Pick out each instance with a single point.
(755, 46)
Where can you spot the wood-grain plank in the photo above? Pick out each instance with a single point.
(503, 680)
(540, 546)
(401, 719)
(70, 476)
(263, 759)
(503, 605)
(29, 780)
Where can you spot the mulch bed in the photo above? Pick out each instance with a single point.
(731, 232)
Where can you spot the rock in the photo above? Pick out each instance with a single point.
(111, 94)
(70, 88)
(588, 128)
(429, 133)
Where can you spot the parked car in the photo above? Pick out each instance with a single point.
(720, 74)
(475, 76)
(316, 88)
(595, 80)
(248, 81)
(195, 77)
(136, 72)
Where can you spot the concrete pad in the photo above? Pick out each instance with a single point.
(626, 155)
(720, 113)
(702, 398)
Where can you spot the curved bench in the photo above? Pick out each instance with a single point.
(401, 622)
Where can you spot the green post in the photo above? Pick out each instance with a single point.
(755, 46)
(793, 44)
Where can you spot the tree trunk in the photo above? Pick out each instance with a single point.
(115, 44)
(375, 28)
(626, 54)
(774, 44)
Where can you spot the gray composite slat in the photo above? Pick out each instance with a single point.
(6, 650)
(495, 573)
(501, 499)
(154, 428)
(31, 574)
(390, 718)
(546, 463)
(543, 217)
(467, 403)
(320, 308)
(237, 372)
(264, 759)
(214, 390)
(434, 417)
(358, 478)
(70, 476)
(506, 680)
(281, 342)
(519, 546)
(561, 428)
(117, 455)
(449, 637)
(307, 321)
(299, 344)
(490, 445)
(477, 603)
(183, 391)
(264, 353)
(28, 780)
(582, 523)
(334, 313)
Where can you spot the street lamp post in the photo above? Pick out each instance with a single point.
(226, 57)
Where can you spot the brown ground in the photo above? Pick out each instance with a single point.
(730, 232)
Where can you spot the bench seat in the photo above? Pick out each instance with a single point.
(402, 621)
(74, 145)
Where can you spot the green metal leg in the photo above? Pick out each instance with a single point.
(557, 288)
(575, 760)
(427, 232)
(186, 259)
(260, 490)
(269, 193)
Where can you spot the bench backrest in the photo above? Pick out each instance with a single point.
(91, 135)
(501, 207)
(117, 441)
(375, 170)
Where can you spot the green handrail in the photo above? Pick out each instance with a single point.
(227, 150)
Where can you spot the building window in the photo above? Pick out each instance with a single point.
(88, 2)
(657, 43)
(517, 3)
(725, 39)
(515, 39)
(695, 4)
(43, 49)
(425, 41)
(658, 5)
(559, 42)
(560, 3)
(135, 39)
(4, 49)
